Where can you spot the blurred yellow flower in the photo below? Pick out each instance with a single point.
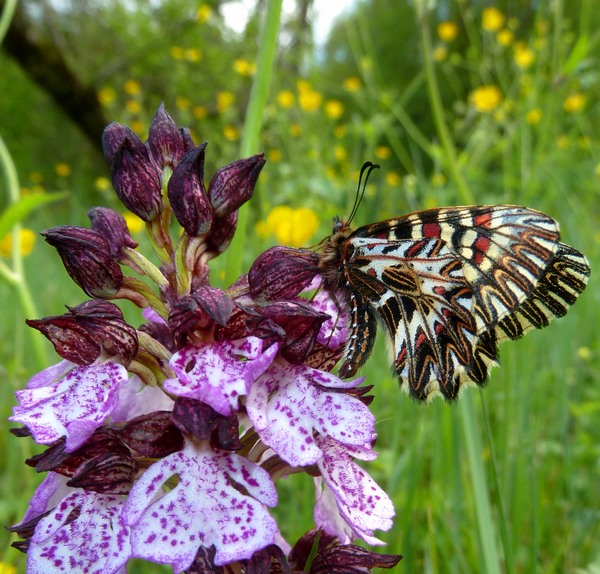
(505, 37)
(203, 13)
(383, 152)
(340, 152)
(134, 223)
(133, 107)
(352, 84)
(486, 98)
(261, 229)
(563, 141)
(534, 116)
(339, 131)
(230, 133)
(392, 178)
(182, 103)
(447, 31)
(440, 53)
(7, 568)
(292, 227)
(584, 353)
(244, 67)
(62, 169)
(574, 103)
(309, 99)
(274, 155)
(177, 52)
(106, 95)
(334, 109)
(286, 99)
(224, 101)
(492, 19)
(26, 243)
(296, 130)
(132, 87)
(193, 54)
(36, 177)
(524, 57)
(102, 183)
(199, 112)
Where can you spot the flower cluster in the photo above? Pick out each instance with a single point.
(164, 442)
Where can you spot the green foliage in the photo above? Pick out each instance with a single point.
(506, 479)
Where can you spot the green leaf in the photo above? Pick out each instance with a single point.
(19, 210)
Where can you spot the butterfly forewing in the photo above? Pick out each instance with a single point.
(449, 284)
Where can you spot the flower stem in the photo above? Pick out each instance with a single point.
(252, 126)
(16, 278)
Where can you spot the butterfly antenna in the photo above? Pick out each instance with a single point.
(365, 171)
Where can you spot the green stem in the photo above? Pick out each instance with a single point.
(17, 277)
(253, 124)
(6, 17)
(449, 155)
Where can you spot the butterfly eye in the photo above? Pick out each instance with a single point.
(337, 225)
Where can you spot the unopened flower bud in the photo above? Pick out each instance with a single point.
(233, 185)
(113, 227)
(165, 140)
(136, 179)
(87, 258)
(222, 232)
(187, 194)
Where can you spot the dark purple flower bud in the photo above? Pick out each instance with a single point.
(113, 137)
(108, 474)
(87, 258)
(188, 142)
(187, 194)
(203, 422)
(164, 139)
(222, 232)
(233, 185)
(153, 435)
(136, 179)
(113, 227)
(282, 273)
(268, 560)
(200, 310)
(300, 323)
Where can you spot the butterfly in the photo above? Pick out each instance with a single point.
(448, 285)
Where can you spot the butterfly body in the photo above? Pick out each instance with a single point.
(449, 284)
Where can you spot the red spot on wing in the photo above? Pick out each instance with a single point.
(432, 230)
(483, 220)
(481, 245)
(401, 358)
(439, 290)
(421, 339)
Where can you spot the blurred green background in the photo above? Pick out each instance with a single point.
(459, 102)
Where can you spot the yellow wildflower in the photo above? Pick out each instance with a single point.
(296, 130)
(563, 141)
(303, 85)
(224, 101)
(244, 67)
(340, 152)
(392, 178)
(182, 103)
(102, 183)
(286, 99)
(203, 13)
(524, 57)
(177, 52)
(351, 84)
(486, 98)
(106, 95)
(309, 100)
(133, 107)
(447, 31)
(492, 19)
(505, 37)
(199, 112)
(274, 155)
(193, 54)
(7, 568)
(534, 116)
(584, 353)
(334, 109)
(134, 223)
(293, 227)
(26, 243)
(231, 133)
(574, 103)
(132, 87)
(383, 152)
(62, 169)
(440, 53)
